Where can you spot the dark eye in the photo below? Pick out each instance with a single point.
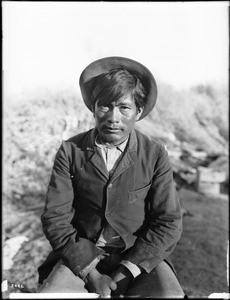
(124, 107)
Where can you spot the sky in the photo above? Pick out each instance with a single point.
(48, 44)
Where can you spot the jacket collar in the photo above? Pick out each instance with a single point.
(97, 161)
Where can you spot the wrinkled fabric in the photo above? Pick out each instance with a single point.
(139, 201)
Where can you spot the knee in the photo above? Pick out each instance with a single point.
(62, 280)
(169, 286)
(160, 283)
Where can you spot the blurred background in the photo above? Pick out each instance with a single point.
(46, 45)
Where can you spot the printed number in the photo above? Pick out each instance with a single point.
(18, 285)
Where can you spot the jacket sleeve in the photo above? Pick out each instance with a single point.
(77, 252)
(163, 223)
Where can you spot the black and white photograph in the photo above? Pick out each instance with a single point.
(115, 149)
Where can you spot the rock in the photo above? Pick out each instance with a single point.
(10, 249)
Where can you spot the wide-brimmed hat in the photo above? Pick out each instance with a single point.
(104, 65)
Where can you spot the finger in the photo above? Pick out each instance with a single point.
(106, 292)
(113, 285)
(105, 295)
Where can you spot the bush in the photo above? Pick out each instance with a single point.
(34, 128)
(198, 116)
(33, 132)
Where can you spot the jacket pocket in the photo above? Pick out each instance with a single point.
(139, 194)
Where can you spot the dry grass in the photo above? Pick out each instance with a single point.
(200, 257)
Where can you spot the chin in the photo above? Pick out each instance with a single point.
(112, 138)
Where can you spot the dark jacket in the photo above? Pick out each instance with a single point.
(139, 201)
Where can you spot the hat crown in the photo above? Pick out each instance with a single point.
(104, 65)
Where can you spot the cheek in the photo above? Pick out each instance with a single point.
(129, 122)
(98, 117)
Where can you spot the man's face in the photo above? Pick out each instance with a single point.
(116, 120)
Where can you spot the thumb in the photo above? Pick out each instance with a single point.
(113, 285)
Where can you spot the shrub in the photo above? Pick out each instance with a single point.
(33, 132)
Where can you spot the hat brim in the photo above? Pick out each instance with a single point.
(104, 65)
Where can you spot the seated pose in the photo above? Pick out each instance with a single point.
(112, 214)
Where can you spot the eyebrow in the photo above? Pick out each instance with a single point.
(122, 102)
(125, 102)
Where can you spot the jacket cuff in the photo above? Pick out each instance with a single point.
(83, 273)
(145, 256)
(80, 254)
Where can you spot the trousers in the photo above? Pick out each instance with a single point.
(159, 283)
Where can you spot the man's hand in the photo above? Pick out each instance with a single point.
(100, 283)
(122, 276)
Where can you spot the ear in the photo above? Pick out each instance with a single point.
(139, 113)
(93, 110)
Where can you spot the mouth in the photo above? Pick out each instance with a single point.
(111, 129)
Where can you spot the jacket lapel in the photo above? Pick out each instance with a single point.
(123, 165)
(94, 157)
(98, 162)
(128, 158)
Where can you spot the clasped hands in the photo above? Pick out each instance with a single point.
(114, 285)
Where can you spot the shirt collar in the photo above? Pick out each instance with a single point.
(120, 147)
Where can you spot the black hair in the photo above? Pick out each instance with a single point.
(115, 85)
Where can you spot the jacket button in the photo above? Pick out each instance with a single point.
(110, 185)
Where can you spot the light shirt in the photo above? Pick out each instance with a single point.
(111, 154)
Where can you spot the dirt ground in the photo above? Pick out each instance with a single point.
(200, 257)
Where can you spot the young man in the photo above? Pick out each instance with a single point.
(112, 214)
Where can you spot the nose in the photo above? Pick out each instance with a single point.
(114, 116)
